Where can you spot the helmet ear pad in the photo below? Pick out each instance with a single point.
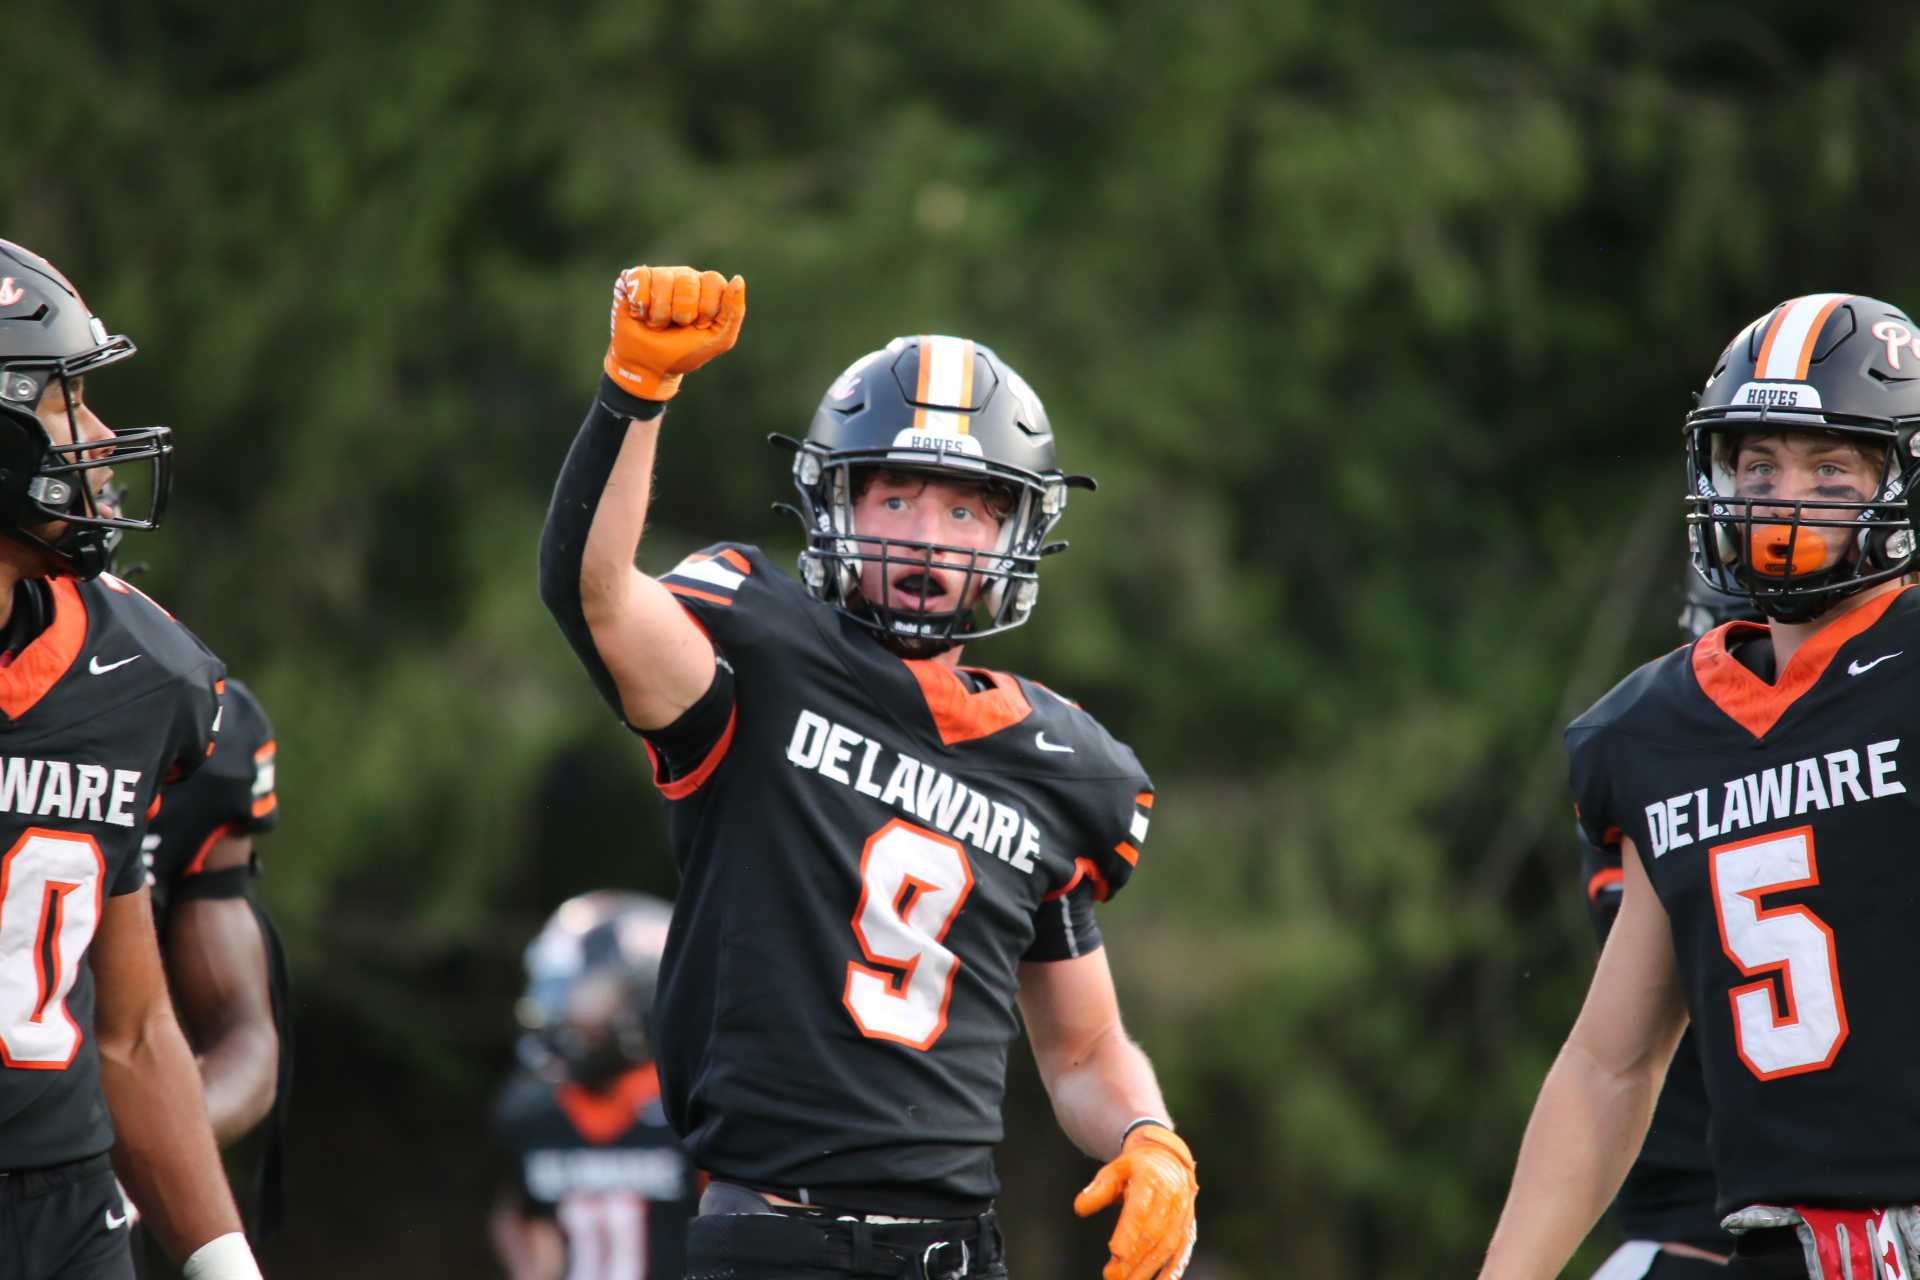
(23, 451)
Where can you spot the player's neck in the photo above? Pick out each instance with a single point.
(17, 564)
(951, 658)
(1789, 636)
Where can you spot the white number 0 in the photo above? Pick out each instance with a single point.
(49, 907)
(912, 884)
(1790, 941)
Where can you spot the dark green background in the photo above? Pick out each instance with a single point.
(1376, 320)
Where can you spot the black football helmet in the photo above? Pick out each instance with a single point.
(591, 973)
(47, 335)
(1832, 363)
(950, 409)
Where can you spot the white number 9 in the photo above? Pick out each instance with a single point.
(913, 883)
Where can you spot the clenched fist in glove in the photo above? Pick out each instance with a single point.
(1153, 1178)
(667, 322)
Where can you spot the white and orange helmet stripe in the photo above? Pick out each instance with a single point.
(946, 378)
(1787, 349)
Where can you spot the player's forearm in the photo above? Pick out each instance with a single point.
(163, 1149)
(1100, 1090)
(529, 1248)
(577, 511)
(1586, 1129)
(240, 1072)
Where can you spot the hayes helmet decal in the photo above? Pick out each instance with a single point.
(945, 382)
(1896, 336)
(1788, 348)
(1777, 395)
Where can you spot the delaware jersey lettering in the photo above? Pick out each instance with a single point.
(875, 845)
(81, 755)
(1778, 823)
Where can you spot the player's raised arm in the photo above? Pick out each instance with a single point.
(647, 658)
(1593, 1109)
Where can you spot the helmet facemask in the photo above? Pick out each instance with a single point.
(44, 481)
(1000, 583)
(1794, 558)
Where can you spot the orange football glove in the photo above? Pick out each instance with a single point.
(1156, 1231)
(667, 322)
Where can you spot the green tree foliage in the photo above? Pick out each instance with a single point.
(1374, 319)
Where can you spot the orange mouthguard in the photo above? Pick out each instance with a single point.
(1772, 542)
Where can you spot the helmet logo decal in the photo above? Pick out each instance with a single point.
(10, 292)
(1896, 335)
(1788, 347)
(844, 386)
(1778, 395)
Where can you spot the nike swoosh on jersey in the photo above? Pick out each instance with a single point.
(1857, 668)
(1040, 741)
(94, 664)
(113, 1223)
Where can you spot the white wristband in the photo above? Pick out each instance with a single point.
(224, 1257)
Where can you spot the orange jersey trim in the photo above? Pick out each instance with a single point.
(708, 596)
(603, 1117)
(1127, 851)
(684, 787)
(41, 664)
(266, 804)
(961, 714)
(1144, 799)
(1602, 879)
(737, 560)
(199, 863)
(1751, 702)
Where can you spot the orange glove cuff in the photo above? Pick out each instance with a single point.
(1157, 1135)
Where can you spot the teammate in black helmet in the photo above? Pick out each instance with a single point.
(601, 1189)
(1758, 785)
(102, 696)
(883, 854)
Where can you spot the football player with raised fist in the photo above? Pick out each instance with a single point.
(887, 859)
(1758, 784)
(102, 697)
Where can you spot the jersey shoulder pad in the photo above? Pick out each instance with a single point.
(1065, 730)
(1652, 684)
(121, 613)
(737, 594)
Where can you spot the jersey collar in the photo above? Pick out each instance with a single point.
(42, 663)
(961, 714)
(1756, 705)
(603, 1117)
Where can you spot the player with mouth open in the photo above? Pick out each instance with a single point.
(887, 860)
(1763, 788)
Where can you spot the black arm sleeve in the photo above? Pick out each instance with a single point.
(576, 497)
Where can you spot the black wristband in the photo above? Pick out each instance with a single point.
(1128, 1131)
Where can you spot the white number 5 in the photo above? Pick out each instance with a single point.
(49, 908)
(913, 883)
(1790, 941)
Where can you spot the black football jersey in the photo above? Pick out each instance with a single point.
(1777, 823)
(231, 794)
(112, 697)
(605, 1167)
(1669, 1194)
(867, 853)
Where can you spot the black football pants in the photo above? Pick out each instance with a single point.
(742, 1241)
(64, 1223)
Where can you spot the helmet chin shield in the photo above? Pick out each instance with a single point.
(1821, 366)
(949, 410)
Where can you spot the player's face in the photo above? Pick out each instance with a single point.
(917, 509)
(1802, 467)
(64, 413)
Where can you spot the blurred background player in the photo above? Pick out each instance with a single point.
(600, 1188)
(1665, 1208)
(103, 696)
